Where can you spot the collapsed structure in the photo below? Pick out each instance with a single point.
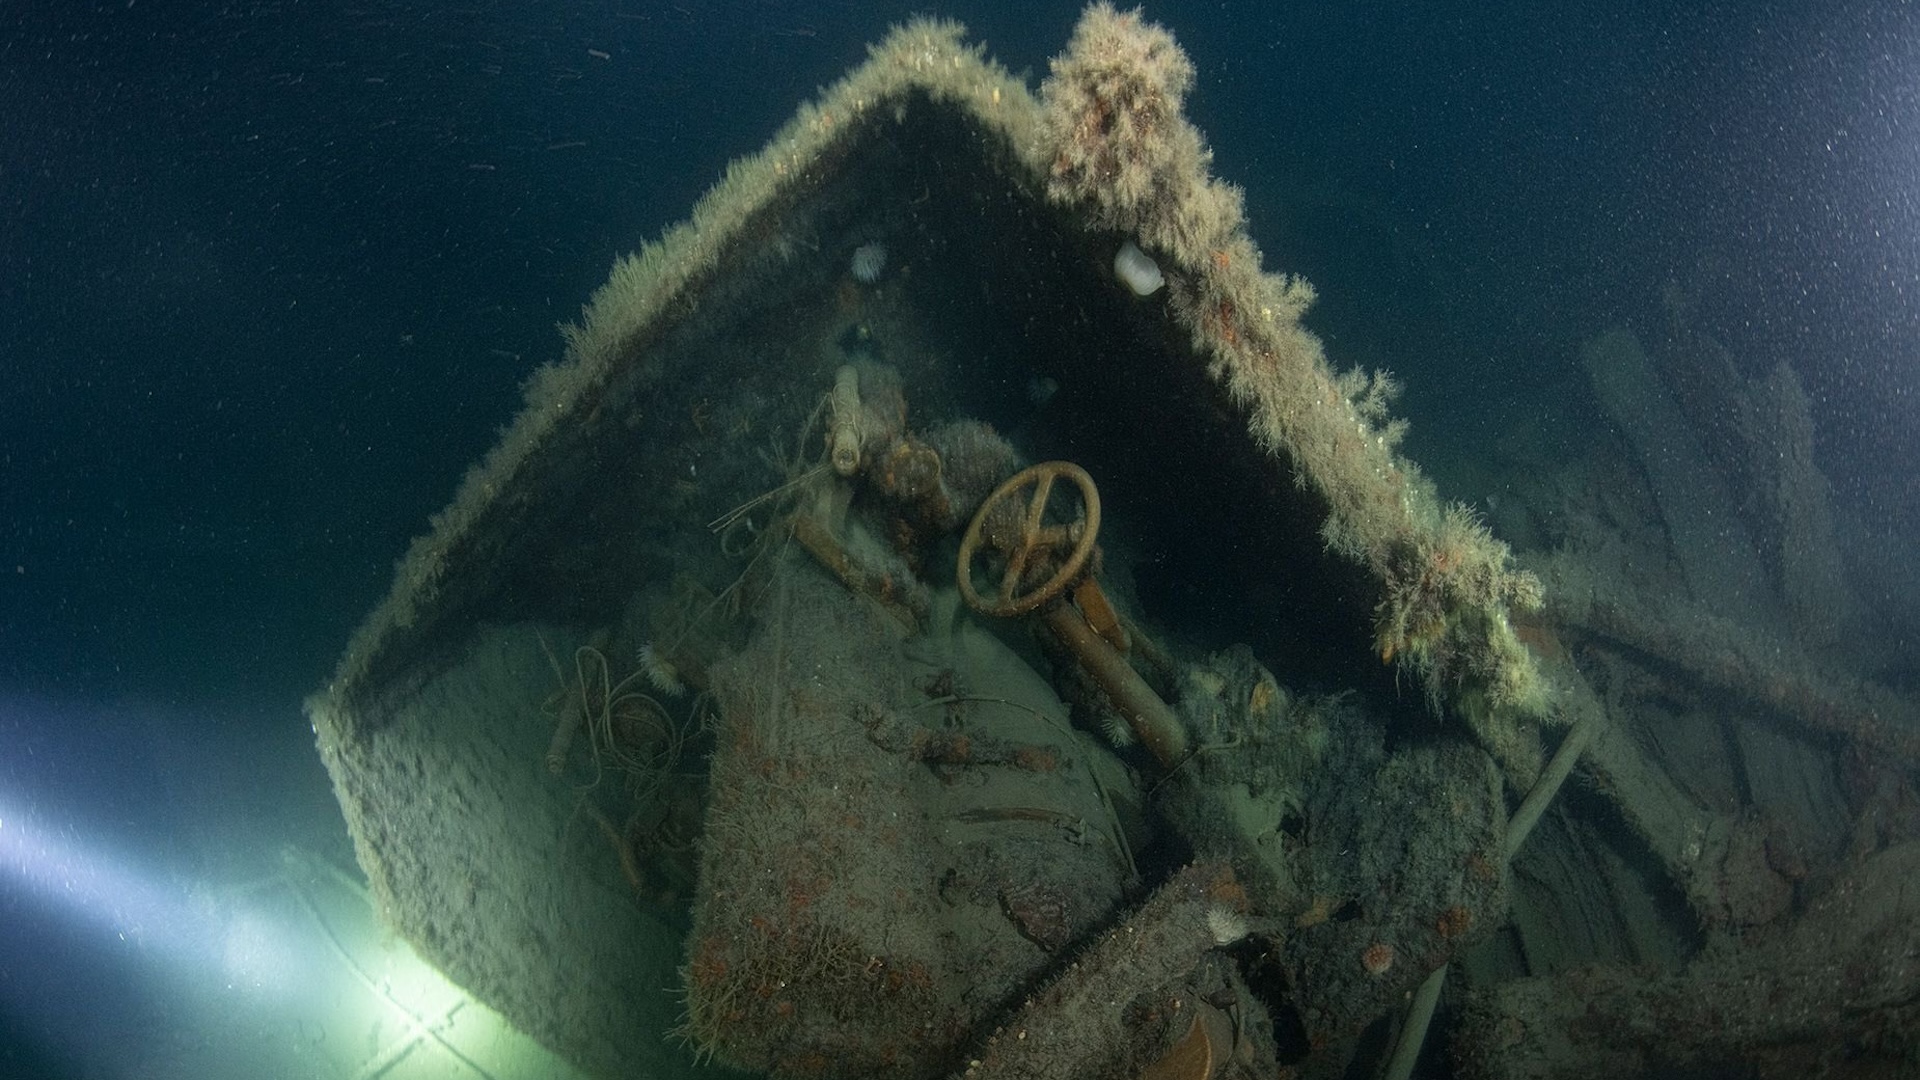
(752, 661)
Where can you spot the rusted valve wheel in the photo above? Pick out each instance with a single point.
(1029, 538)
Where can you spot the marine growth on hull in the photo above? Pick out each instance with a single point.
(946, 615)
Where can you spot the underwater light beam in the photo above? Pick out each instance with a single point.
(87, 885)
(109, 895)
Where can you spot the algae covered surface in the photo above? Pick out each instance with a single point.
(959, 607)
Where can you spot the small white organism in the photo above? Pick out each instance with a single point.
(660, 671)
(869, 260)
(1226, 925)
(1140, 272)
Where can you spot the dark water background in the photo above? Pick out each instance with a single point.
(271, 273)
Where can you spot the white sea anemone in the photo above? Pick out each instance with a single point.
(1140, 272)
(660, 671)
(868, 260)
(1226, 925)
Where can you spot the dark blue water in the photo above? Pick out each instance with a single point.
(271, 275)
